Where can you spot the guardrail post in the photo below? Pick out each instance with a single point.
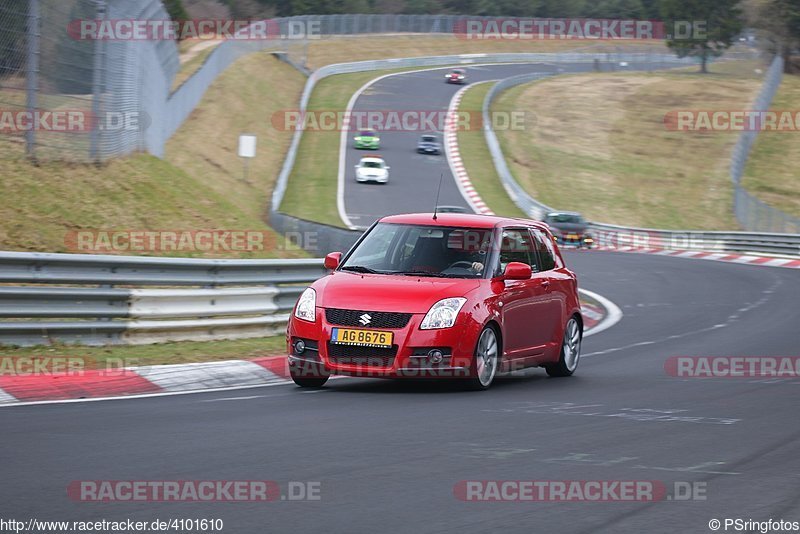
(97, 87)
(32, 67)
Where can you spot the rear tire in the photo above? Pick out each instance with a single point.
(570, 351)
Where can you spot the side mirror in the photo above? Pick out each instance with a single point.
(332, 260)
(517, 271)
(387, 168)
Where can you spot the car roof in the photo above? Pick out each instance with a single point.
(554, 213)
(469, 220)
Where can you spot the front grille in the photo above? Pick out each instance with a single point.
(339, 317)
(370, 357)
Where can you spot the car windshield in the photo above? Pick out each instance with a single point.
(367, 133)
(417, 250)
(372, 165)
(428, 139)
(565, 218)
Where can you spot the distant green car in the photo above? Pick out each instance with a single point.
(367, 140)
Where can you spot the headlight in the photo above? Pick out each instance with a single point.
(307, 306)
(443, 314)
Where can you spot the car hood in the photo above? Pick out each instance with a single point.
(569, 228)
(377, 292)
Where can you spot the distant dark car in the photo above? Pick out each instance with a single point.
(429, 144)
(452, 209)
(569, 229)
(456, 76)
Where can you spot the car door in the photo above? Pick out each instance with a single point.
(522, 301)
(556, 286)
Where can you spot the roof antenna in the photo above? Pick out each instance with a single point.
(436, 207)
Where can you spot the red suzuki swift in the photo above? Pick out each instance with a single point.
(453, 296)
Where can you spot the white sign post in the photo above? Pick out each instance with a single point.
(247, 151)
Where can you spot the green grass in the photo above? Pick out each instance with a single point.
(199, 186)
(600, 145)
(771, 173)
(161, 354)
(477, 159)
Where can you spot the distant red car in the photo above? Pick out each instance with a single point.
(456, 76)
(460, 296)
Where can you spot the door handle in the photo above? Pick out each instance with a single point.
(546, 284)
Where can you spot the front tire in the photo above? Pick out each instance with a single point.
(486, 360)
(570, 351)
(310, 382)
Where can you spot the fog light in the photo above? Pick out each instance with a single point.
(435, 356)
(299, 346)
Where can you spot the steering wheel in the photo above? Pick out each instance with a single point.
(462, 263)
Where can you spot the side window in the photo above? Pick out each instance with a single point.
(547, 254)
(516, 245)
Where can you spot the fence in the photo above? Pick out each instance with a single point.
(752, 213)
(124, 88)
(136, 300)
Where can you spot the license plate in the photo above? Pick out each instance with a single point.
(362, 338)
(572, 236)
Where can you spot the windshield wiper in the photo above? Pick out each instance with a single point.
(360, 269)
(427, 274)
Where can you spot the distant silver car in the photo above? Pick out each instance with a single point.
(429, 144)
(452, 209)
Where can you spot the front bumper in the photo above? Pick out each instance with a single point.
(573, 240)
(408, 358)
(376, 179)
(367, 145)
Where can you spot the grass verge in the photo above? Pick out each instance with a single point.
(162, 354)
(771, 171)
(600, 145)
(200, 184)
(316, 169)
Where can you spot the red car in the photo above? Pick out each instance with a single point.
(456, 76)
(453, 296)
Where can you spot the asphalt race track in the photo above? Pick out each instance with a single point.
(388, 454)
(414, 178)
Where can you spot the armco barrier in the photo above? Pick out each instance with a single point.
(230, 298)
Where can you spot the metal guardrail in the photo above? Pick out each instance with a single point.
(622, 237)
(230, 298)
